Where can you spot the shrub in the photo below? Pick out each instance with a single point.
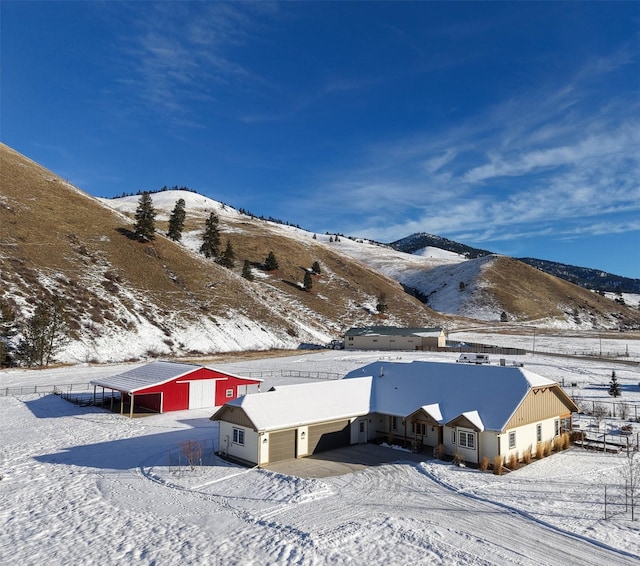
(497, 465)
(540, 450)
(526, 456)
(484, 464)
(458, 460)
(514, 464)
(547, 447)
(558, 444)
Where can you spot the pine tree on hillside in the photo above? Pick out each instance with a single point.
(145, 225)
(614, 386)
(227, 258)
(8, 329)
(246, 271)
(44, 333)
(271, 263)
(176, 221)
(316, 267)
(308, 281)
(211, 238)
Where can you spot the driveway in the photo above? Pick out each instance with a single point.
(343, 461)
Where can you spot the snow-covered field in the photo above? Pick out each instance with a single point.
(85, 486)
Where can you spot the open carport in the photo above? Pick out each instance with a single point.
(343, 461)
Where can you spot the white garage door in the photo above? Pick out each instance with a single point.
(202, 393)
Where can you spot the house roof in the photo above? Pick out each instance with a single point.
(289, 406)
(154, 373)
(392, 331)
(482, 397)
(486, 395)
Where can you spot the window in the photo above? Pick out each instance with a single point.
(512, 439)
(467, 439)
(394, 423)
(539, 432)
(229, 393)
(556, 427)
(453, 436)
(238, 436)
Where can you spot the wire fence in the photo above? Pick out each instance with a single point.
(44, 389)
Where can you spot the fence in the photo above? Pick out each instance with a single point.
(601, 409)
(44, 389)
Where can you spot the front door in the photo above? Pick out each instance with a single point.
(362, 431)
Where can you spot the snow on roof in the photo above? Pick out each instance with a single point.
(491, 392)
(474, 418)
(306, 403)
(433, 411)
(145, 376)
(392, 331)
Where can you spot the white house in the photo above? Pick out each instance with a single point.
(473, 411)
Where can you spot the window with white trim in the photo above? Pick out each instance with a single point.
(229, 393)
(238, 436)
(394, 423)
(512, 440)
(539, 432)
(467, 439)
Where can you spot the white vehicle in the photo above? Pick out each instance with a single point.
(473, 359)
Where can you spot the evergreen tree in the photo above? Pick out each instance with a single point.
(316, 267)
(308, 281)
(176, 221)
(614, 386)
(211, 238)
(43, 334)
(227, 258)
(504, 317)
(145, 225)
(8, 329)
(246, 271)
(271, 263)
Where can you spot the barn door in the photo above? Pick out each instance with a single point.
(202, 393)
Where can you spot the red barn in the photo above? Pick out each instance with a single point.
(173, 386)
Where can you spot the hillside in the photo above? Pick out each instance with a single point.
(125, 299)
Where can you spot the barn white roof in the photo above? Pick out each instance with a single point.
(142, 377)
(486, 396)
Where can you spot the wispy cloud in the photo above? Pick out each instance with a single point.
(549, 162)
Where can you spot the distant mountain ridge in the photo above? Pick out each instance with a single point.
(589, 278)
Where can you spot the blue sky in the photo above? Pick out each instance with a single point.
(513, 127)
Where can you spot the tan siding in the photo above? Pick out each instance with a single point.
(236, 416)
(539, 404)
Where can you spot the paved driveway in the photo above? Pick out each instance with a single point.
(343, 461)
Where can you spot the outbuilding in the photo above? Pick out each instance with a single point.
(172, 386)
(394, 338)
(466, 410)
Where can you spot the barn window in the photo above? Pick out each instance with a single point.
(539, 432)
(229, 393)
(238, 436)
(467, 439)
(512, 439)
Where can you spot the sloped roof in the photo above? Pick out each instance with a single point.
(392, 331)
(145, 376)
(484, 397)
(307, 403)
(493, 392)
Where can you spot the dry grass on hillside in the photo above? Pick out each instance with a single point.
(58, 240)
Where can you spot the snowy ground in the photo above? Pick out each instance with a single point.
(84, 486)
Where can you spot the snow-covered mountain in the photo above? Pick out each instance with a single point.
(125, 299)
